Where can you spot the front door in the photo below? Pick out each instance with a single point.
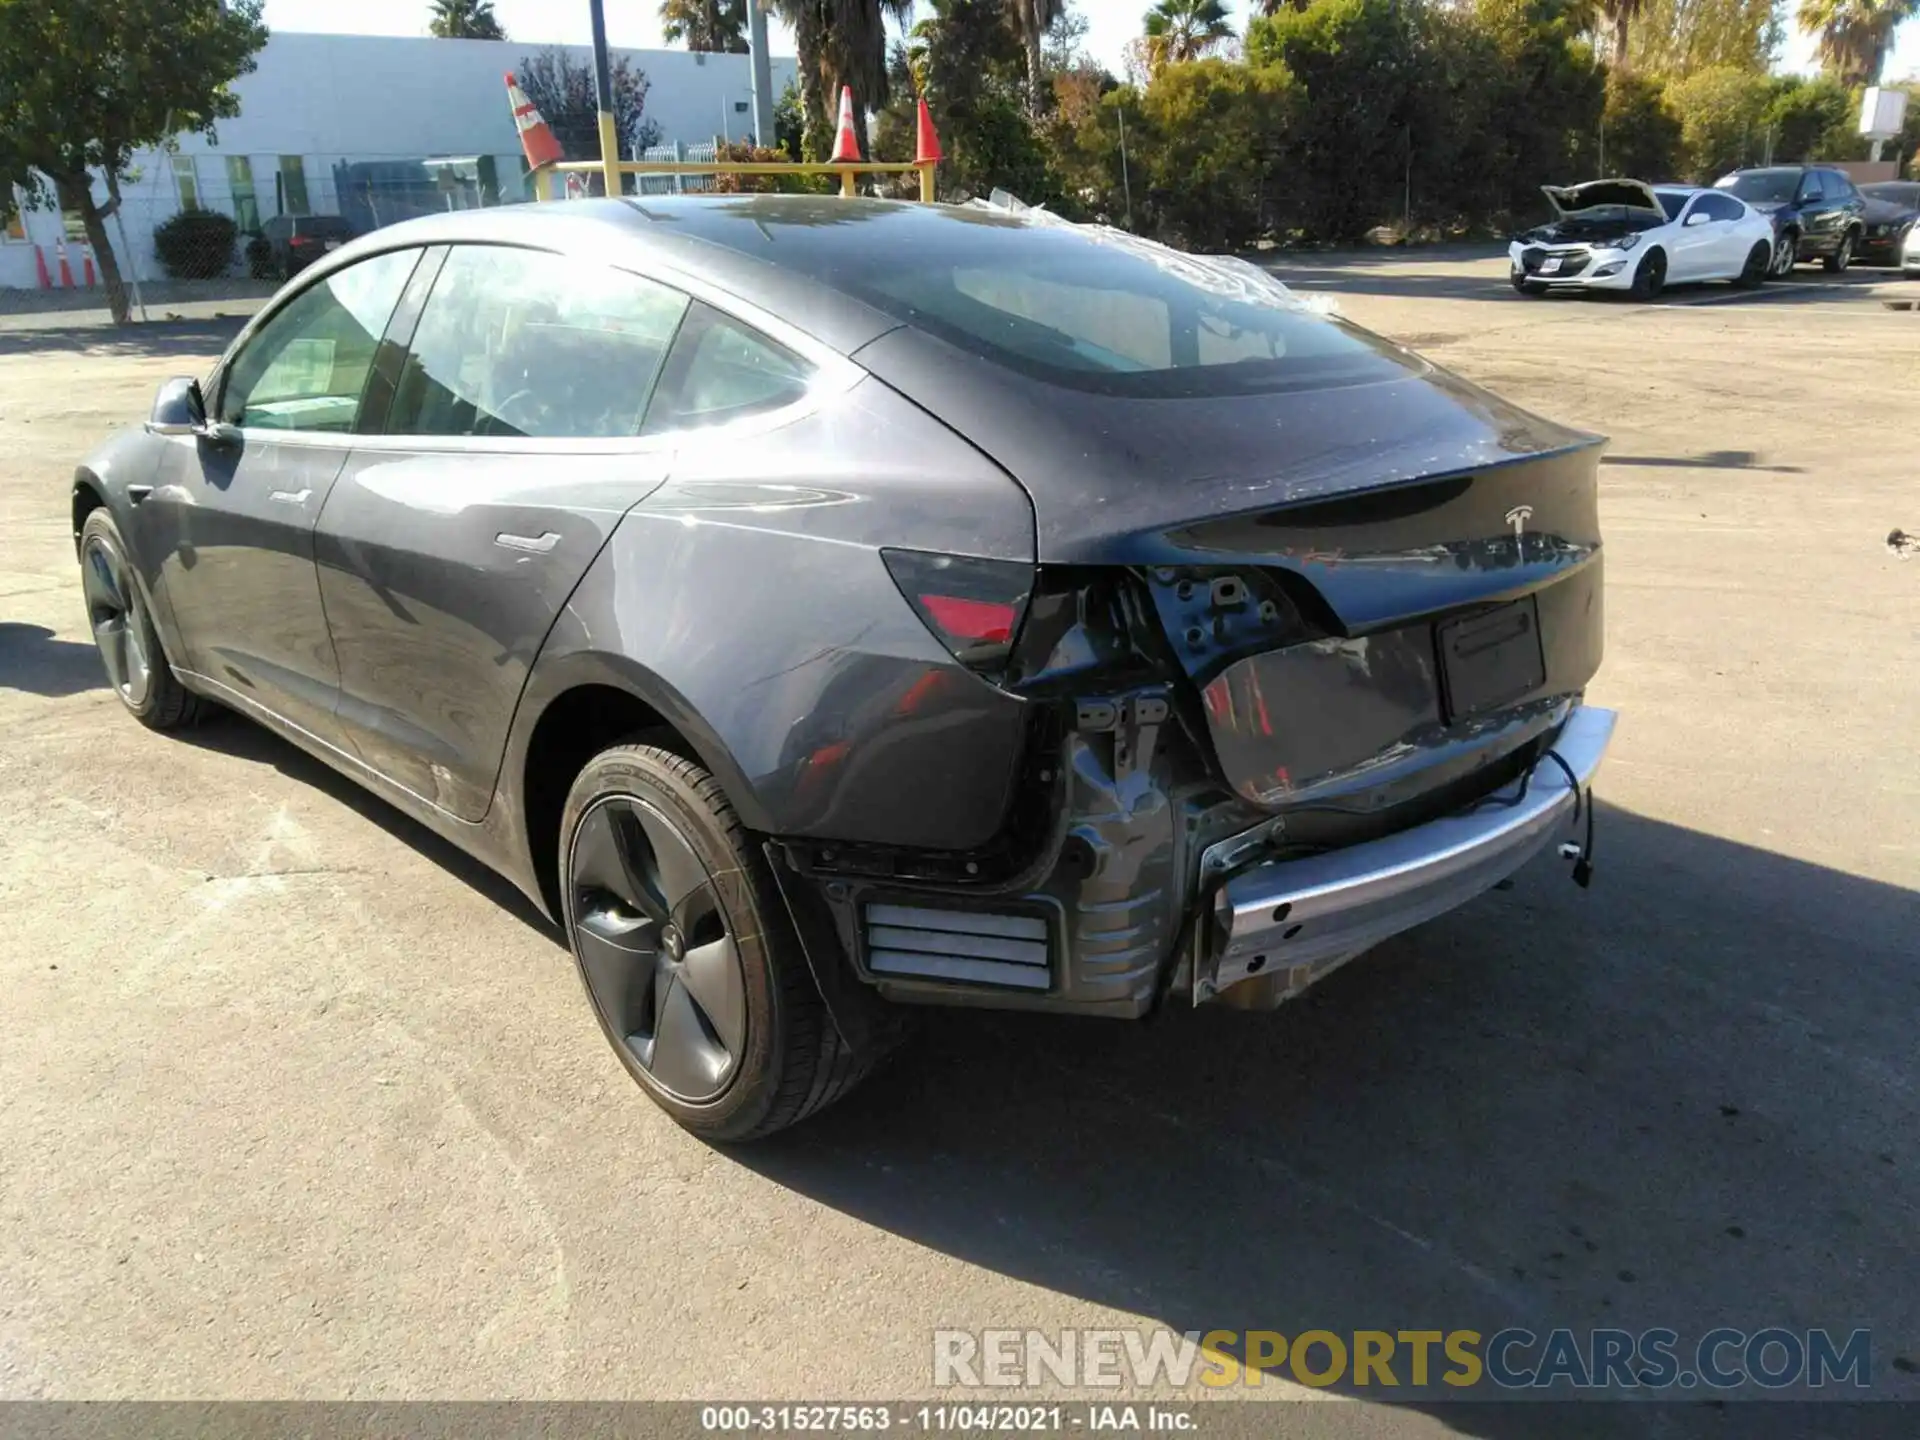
(508, 454)
(233, 511)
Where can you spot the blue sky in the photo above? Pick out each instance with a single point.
(637, 23)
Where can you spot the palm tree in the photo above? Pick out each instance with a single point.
(465, 20)
(1031, 19)
(1619, 15)
(1181, 30)
(1854, 36)
(842, 42)
(705, 24)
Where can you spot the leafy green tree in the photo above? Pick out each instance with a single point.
(465, 20)
(840, 43)
(86, 83)
(710, 25)
(1854, 36)
(1811, 120)
(561, 89)
(1182, 30)
(1211, 175)
(1722, 114)
(1676, 38)
(1639, 133)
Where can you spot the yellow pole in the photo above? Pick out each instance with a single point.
(543, 182)
(926, 182)
(846, 183)
(610, 152)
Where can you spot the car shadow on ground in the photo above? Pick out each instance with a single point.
(1683, 1098)
(240, 738)
(187, 339)
(1711, 460)
(34, 659)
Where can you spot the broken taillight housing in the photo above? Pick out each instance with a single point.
(974, 606)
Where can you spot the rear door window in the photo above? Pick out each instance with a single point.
(524, 343)
(722, 370)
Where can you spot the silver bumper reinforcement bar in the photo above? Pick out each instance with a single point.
(1295, 920)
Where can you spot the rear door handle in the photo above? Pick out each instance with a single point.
(532, 544)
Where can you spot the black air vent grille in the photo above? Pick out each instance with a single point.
(970, 946)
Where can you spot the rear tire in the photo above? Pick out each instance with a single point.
(123, 631)
(687, 954)
(1754, 274)
(1836, 263)
(1651, 277)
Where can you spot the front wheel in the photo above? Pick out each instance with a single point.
(686, 951)
(124, 633)
(1526, 286)
(1786, 254)
(1837, 262)
(1651, 278)
(1754, 273)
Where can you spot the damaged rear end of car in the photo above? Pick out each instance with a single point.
(1303, 651)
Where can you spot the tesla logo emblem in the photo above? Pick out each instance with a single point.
(1517, 517)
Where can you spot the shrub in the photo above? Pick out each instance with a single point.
(1641, 135)
(1812, 120)
(195, 244)
(1721, 114)
(746, 153)
(1210, 168)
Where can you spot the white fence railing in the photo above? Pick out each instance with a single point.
(706, 154)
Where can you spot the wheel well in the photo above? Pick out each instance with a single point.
(576, 726)
(86, 499)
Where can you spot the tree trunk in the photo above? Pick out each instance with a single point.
(76, 193)
(1619, 60)
(1036, 78)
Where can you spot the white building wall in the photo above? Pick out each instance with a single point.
(333, 98)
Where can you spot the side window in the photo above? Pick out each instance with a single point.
(1839, 187)
(1811, 187)
(526, 343)
(1719, 207)
(308, 364)
(721, 370)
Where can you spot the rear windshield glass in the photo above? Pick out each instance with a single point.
(1762, 186)
(1052, 304)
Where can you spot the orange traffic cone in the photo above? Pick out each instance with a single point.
(66, 270)
(86, 265)
(926, 148)
(536, 137)
(846, 145)
(40, 264)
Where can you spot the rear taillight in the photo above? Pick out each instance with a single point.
(974, 606)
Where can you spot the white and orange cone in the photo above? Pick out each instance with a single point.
(846, 145)
(536, 136)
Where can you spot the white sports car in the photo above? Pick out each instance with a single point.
(1632, 236)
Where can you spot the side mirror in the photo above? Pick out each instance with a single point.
(1698, 217)
(178, 409)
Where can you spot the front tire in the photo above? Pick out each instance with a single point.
(686, 951)
(1651, 277)
(1786, 255)
(1836, 263)
(123, 631)
(1754, 273)
(1525, 286)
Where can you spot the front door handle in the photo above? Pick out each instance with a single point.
(289, 497)
(531, 544)
(137, 493)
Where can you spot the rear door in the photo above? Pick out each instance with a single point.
(508, 450)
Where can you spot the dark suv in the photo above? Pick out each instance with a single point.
(299, 240)
(1816, 212)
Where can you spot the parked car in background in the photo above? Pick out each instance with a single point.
(296, 241)
(1817, 213)
(1910, 253)
(1632, 236)
(827, 606)
(1892, 208)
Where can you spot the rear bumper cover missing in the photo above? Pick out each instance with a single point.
(1295, 920)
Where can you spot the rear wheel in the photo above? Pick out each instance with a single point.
(686, 952)
(1754, 273)
(1837, 262)
(123, 631)
(1651, 278)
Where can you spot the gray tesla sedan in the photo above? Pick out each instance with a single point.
(825, 607)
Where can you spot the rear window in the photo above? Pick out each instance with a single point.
(1110, 318)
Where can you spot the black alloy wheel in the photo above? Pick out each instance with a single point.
(123, 631)
(1759, 262)
(656, 950)
(1651, 277)
(687, 953)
